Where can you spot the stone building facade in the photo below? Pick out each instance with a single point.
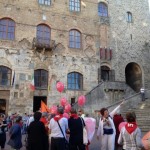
(113, 45)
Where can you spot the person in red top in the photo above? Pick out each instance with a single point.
(44, 120)
(117, 120)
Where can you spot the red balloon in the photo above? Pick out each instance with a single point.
(66, 115)
(63, 101)
(53, 109)
(121, 125)
(81, 100)
(60, 86)
(67, 108)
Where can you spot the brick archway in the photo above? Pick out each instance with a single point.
(133, 75)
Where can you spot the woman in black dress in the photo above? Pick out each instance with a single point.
(3, 127)
(37, 134)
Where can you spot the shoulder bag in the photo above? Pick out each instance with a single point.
(66, 142)
(85, 136)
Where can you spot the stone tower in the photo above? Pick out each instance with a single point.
(79, 43)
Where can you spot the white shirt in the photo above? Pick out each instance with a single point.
(31, 119)
(54, 127)
(142, 90)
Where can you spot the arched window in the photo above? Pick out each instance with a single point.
(43, 34)
(7, 29)
(129, 17)
(45, 2)
(74, 39)
(75, 81)
(102, 9)
(5, 76)
(41, 79)
(74, 5)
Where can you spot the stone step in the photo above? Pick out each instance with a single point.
(142, 112)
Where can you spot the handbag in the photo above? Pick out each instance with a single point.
(108, 131)
(85, 136)
(66, 142)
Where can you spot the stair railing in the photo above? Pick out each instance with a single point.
(125, 99)
(95, 87)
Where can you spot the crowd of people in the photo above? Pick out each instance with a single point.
(45, 131)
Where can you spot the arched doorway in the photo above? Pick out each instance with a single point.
(105, 73)
(133, 75)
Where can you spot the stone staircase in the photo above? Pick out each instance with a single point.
(142, 112)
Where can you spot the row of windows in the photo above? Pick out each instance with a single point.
(43, 33)
(75, 5)
(74, 79)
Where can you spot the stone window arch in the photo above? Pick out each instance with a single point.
(5, 76)
(75, 81)
(75, 5)
(102, 9)
(41, 79)
(43, 34)
(74, 39)
(7, 29)
(129, 17)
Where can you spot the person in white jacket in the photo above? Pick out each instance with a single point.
(106, 130)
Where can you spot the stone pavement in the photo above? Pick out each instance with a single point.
(94, 145)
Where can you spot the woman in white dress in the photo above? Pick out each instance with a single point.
(106, 130)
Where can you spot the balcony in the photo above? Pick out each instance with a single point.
(104, 20)
(40, 44)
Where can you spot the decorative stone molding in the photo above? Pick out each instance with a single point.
(25, 44)
(103, 1)
(41, 66)
(2, 53)
(75, 68)
(41, 55)
(89, 40)
(59, 48)
(89, 52)
(5, 62)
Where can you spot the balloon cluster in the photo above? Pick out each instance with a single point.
(64, 102)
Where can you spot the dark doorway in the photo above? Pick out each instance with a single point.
(105, 73)
(37, 102)
(2, 106)
(134, 76)
(72, 101)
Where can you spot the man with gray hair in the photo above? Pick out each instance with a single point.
(58, 127)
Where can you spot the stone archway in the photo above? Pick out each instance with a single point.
(133, 75)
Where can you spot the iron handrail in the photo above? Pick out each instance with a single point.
(95, 87)
(124, 99)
